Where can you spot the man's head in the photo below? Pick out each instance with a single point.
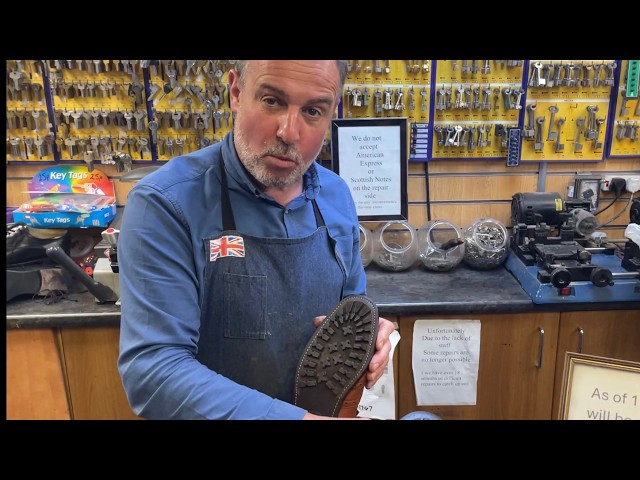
(282, 110)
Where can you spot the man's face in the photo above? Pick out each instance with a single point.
(282, 114)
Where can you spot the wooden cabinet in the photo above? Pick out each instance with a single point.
(90, 358)
(611, 334)
(72, 372)
(515, 379)
(35, 383)
(512, 384)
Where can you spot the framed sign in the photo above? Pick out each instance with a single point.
(599, 388)
(370, 154)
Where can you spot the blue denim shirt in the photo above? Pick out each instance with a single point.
(167, 215)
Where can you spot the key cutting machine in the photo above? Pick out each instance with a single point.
(557, 255)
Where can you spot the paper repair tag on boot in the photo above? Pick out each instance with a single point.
(380, 401)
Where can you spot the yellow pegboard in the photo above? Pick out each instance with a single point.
(626, 123)
(479, 71)
(571, 79)
(474, 100)
(576, 131)
(492, 98)
(28, 125)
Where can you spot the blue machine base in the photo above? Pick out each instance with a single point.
(623, 290)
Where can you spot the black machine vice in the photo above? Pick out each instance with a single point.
(554, 235)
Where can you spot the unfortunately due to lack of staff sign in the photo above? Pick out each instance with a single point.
(371, 156)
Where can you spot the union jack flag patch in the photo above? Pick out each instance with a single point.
(227, 246)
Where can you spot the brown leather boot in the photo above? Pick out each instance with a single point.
(330, 373)
(350, 403)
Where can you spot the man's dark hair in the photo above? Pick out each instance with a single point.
(240, 67)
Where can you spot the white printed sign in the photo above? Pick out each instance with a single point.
(369, 163)
(371, 156)
(446, 356)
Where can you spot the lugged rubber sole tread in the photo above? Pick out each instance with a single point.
(336, 356)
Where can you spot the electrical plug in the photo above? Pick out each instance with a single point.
(617, 185)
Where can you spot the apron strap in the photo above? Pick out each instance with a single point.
(316, 212)
(228, 221)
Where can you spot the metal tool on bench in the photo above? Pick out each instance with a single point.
(557, 255)
(102, 292)
(111, 236)
(29, 271)
(106, 268)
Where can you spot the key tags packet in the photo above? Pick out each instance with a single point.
(68, 196)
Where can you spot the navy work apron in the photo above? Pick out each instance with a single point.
(261, 295)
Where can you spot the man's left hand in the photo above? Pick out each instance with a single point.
(380, 359)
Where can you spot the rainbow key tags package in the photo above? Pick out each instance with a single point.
(68, 196)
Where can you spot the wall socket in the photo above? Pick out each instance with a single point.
(606, 182)
(633, 183)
